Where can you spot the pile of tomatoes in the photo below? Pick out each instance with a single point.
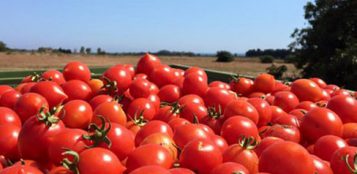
(154, 119)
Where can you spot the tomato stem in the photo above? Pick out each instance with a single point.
(353, 169)
(71, 165)
(99, 135)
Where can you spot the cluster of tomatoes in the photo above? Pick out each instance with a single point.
(160, 120)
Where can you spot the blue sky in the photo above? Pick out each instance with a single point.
(203, 26)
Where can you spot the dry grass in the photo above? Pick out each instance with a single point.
(20, 61)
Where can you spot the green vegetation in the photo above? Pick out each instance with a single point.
(266, 59)
(3, 47)
(224, 56)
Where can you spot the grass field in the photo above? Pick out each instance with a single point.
(21, 61)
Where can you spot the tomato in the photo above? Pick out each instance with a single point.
(95, 85)
(326, 145)
(177, 122)
(306, 90)
(319, 122)
(140, 88)
(332, 87)
(162, 75)
(147, 64)
(325, 95)
(190, 111)
(276, 113)
(188, 132)
(287, 119)
(285, 132)
(169, 93)
(243, 154)
(241, 85)
(76, 71)
(76, 114)
(214, 120)
(341, 158)
(166, 113)
(152, 127)
(60, 170)
(279, 86)
(286, 100)
(321, 166)
(163, 140)
(243, 108)
(149, 154)
(265, 143)
(36, 135)
(196, 70)
(51, 91)
(76, 89)
(66, 139)
(155, 100)
(218, 98)
(264, 83)
(264, 110)
(298, 113)
(27, 86)
(237, 126)
(275, 159)
(345, 107)
(191, 98)
(229, 167)
(195, 84)
(120, 75)
(219, 141)
(150, 169)
(181, 171)
(9, 117)
(9, 98)
(307, 105)
(5, 88)
(341, 92)
(135, 124)
(111, 111)
(140, 76)
(141, 106)
(349, 130)
(9, 140)
(29, 104)
(21, 169)
(53, 75)
(99, 99)
(200, 156)
(219, 84)
(318, 81)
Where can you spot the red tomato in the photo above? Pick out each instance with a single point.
(195, 84)
(60, 170)
(318, 81)
(29, 104)
(76, 71)
(163, 140)
(220, 142)
(306, 90)
(188, 132)
(341, 92)
(286, 100)
(326, 145)
(147, 64)
(241, 85)
(112, 111)
(99, 99)
(285, 132)
(243, 108)
(237, 126)
(341, 158)
(325, 95)
(120, 75)
(5, 88)
(140, 76)
(169, 93)
(152, 127)
(155, 100)
(140, 88)
(279, 86)
(321, 166)
(76, 114)
(307, 105)
(9, 117)
(162, 75)
(274, 159)
(9, 98)
(265, 143)
(130, 68)
(177, 122)
(191, 98)
(298, 113)
(76, 89)
(26, 87)
(219, 84)
(345, 107)
(150, 169)
(51, 91)
(21, 169)
(230, 167)
(349, 130)
(53, 75)
(149, 154)
(204, 151)
(287, 119)
(9, 140)
(264, 110)
(218, 98)
(196, 70)
(276, 113)
(96, 85)
(190, 111)
(319, 122)
(264, 83)
(166, 113)
(141, 106)
(181, 171)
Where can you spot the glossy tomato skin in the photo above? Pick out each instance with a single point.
(120, 75)
(196, 70)
(306, 90)
(5, 88)
(147, 64)
(26, 87)
(166, 113)
(326, 145)
(77, 89)
(99, 160)
(51, 91)
(177, 122)
(181, 171)
(9, 98)
(265, 143)
(140, 88)
(53, 75)
(141, 105)
(195, 84)
(318, 81)
(243, 108)
(204, 151)
(264, 110)
(9, 117)
(150, 169)
(191, 98)
(307, 105)
(219, 84)
(162, 75)
(247, 158)
(112, 111)
(99, 99)
(152, 127)
(286, 100)
(60, 170)
(169, 93)
(76, 71)
(218, 98)
(9, 140)
(345, 107)
(188, 132)
(279, 152)
(319, 122)
(242, 86)
(337, 161)
(264, 83)
(30, 104)
(321, 166)
(349, 130)
(190, 111)
(21, 169)
(285, 132)
(96, 85)
(230, 167)
(163, 140)
(149, 154)
(76, 114)
(237, 126)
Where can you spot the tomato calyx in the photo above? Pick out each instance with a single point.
(352, 169)
(50, 117)
(71, 165)
(248, 143)
(110, 86)
(139, 119)
(235, 78)
(213, 113)
(98, 134)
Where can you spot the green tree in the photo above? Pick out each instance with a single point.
(82, 50)
(88, 50)
(327, 47)
(3, 46)
(224, 56)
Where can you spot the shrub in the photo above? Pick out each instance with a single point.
(277, 71)
(224, 56)
(266, 59)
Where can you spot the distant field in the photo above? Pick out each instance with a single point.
(21, 61)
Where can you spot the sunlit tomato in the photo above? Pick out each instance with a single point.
(204, 151)
(265, 143)
(181, 171)
(298, 113)
(5, 88)
(274, 159)
(163, 140)
(188, 132)
(60, 170)
(321, 166)
(9, 98)
(166, 113)
(99, 160)
(99, 99)
(8, 141)
(141, 106)
(76, 114)
(241, 85)
(196, 70)
(341, 92)
(21, 169)
(286, 100)
(218, 98)
(9, 117)
(190, 111)
(76, 71)
(279, 86)
(162, 75)
(229, 167)
(307, 105)
(149, 154)
(150, 169)
(53, 93)
(325, 95)
(243, 108)
(111, 111)
(219, 84)
(147, 64)
(191, 98)
(306, 90)
(326, 145)
(53, 75)
(220, 142)
(31, 163)
(195, 84)
(237, 126)
(285, 132)
(120, 75)
(318, 81)
(264, 83)
(140, 88)
(349, 130)
(152, 127)
(287, 119)
(76, 89)
(130, 68)
(155, 100)
(140, 76)
(338, 160)
(66, 139)
(345, 107)
(29, 104)
(213, 120)
(319, 122)
(263, 109)
(177, 122)
(26, 87)
(95, 85)
(169, 93)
